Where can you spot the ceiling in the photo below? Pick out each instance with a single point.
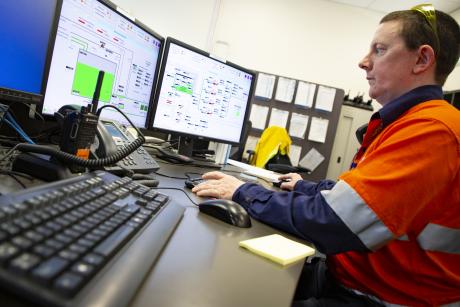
(386, 6)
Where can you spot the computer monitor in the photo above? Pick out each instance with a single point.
(94, 35)
(199, 96)
(27, 30)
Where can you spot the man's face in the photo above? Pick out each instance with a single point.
(389, 64)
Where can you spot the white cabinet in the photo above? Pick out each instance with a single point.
(346, 144)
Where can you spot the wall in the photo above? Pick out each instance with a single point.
(453, 82)
(188, 21)
(310, 40)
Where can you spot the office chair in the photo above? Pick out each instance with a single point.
(360, 133)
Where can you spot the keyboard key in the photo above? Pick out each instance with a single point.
(77, 248)
(24, 262)
(109, 245)
(83, 269)
(44, 250)
(46, 232)
(68, 283)
(93, 259)
(49, 269)
(10, 228)
(34, 236)
(21, 242)
(7, 250)
(69, 255)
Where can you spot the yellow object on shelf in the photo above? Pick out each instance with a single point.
(274, 139)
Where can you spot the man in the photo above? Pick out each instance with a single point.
(391, 225)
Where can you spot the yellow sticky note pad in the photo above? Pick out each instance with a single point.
(278, 248)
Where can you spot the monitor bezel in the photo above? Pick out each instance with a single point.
(164, 58)
(136, 22)
(15, 95)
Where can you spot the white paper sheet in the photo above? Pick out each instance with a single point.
(294, 154)
(305, 94)
(318, 129)
(298, 125)
(265, 85)
(278, 118)
(285, 89)
(325, 98)
(258, 116)
(255, 171)
(312, 159)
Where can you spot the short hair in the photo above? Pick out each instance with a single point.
(416, 31)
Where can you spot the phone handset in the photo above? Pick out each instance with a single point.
(111, 136)
(103, 145)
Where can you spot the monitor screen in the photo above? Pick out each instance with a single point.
(26, 31)
(200, 96)
(93, 36)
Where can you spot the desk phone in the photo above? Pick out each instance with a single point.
(112, 136)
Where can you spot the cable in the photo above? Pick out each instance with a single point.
(38, 115)
(16, 179)
(9, 119)
(9, 153)
(192, 173)
(90, 163)
(173, 177)
(19, 131)
(139, 133)
(178, 189)
(6, 172)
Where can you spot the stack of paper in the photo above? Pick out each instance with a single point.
(278, 248)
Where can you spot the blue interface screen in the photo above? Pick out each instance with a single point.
(24, 33)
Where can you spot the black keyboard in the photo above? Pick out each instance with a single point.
(83, 241)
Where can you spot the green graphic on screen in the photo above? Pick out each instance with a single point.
(85, 80)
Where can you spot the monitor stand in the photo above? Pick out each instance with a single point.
(186, 149)
(185, 146)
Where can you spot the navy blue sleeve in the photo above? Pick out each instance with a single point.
(306, 216)
(311, 188)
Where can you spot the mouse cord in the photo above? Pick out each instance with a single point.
(188, 175)
(168, 176)
(178, 189)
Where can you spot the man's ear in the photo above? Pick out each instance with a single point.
(426, 59)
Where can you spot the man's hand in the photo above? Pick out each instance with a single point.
(289, 185)
(218, 185)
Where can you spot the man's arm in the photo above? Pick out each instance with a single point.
(308, 216)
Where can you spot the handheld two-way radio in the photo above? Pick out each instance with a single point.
(80, 127)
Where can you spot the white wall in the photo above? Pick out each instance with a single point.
(188, 21)
(310, 40)
(453, 82)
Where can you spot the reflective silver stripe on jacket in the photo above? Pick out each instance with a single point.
(355, 213)
(384, 303)
(440, 239)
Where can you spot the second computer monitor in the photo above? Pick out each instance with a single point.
(92, 36)
(200, 96)
(27, 32)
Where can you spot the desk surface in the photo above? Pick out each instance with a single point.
(202, 264)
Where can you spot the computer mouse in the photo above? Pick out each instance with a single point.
(280, 182)
(227, 211)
